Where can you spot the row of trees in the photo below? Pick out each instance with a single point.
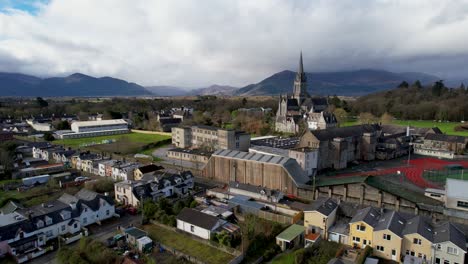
(435, 102)
(165, 212)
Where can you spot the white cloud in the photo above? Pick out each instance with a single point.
(195, 43)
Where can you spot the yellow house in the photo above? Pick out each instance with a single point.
(388, 236)
(418, 238)
(142, 171)
(320, 216)
(361, 227)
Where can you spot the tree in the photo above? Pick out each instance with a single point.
(367, 118)
(417, 84)
(62, 125)
(244, 101)
(386, 118)
(341, 115)
(149, 208)
(41, 102)
(438, 88)
(48, 136)
(403, 84)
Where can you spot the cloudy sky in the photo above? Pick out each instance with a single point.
(236, 42)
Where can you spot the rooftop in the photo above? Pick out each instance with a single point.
(276, 142)
(135, 232)
(100, 122)
(290, 233)
(198, 218)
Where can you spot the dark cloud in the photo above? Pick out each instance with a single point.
(194, 43)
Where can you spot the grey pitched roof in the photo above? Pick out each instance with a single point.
(323, 205)
(368, 215)
(419, 225)
(392, 221)
(446, 138)
(448, 232)
(198, 218)
(344, 132)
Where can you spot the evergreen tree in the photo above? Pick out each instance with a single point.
(417, 84)
(403, 84)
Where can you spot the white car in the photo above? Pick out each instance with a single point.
(81, 178)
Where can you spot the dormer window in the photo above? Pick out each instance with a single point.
(40, 224)
(48, 220)
(65, 215)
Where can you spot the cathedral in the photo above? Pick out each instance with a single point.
(301, 107)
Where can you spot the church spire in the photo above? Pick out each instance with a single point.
(301, 65)
(300, 83)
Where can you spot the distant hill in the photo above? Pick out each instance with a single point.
(14, 84)
(215, 90)
(350, 83)
(167, 90)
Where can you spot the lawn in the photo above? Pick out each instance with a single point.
(446, 127)
(130, 137)
(124, 143)
(288, 258)
(186, 244)
(34, 196)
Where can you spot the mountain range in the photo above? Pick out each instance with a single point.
(348, 83)
(77, 84)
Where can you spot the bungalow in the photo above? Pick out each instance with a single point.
(197, 223)
(291, 237)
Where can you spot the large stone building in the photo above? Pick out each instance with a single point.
(210, 138)
(301, 107)
(339, 146)
(272, 172)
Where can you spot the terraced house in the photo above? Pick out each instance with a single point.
(24, 232)
(388, 236)
(361, 227)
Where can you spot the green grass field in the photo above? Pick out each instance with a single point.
(446, 127)
(186, 244)
(124, 143)
(440, 176)
(131, 137)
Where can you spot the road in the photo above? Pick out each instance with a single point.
(101, 233)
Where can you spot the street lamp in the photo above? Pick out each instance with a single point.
(408, 133)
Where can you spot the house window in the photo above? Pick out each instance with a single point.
(107, 212)
(417, 241)
(439, 247)
(192, 228)
(361, 227)
(380, 248)
(356, 239)
(437, 260)
(387, 237)
(407, 252)
(49, 233)
(419, 255)
(85, 220)
(75, 225)
(462, 204)
(63, 228)
(446, 262)
(452, 250)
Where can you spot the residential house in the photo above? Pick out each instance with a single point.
(124, 171)
(449, 244)
(105, 167)
(197, 223)
(64, 156)
(131, 192)
(388, 237)
(142, 171)
(361, 227)
(418, 237)
(320, 216)
(25, 236)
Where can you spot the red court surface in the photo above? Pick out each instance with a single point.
(413, 172)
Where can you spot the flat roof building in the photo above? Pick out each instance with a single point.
(81, 129)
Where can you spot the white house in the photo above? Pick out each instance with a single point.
(198, 223)
(32, 227)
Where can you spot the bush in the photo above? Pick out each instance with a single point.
(101, 185)
(270, 253)
(364, 254)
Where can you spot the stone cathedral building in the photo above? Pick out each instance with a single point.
(301, 107)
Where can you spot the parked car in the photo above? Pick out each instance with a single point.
(120, 211)
(81, 178)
